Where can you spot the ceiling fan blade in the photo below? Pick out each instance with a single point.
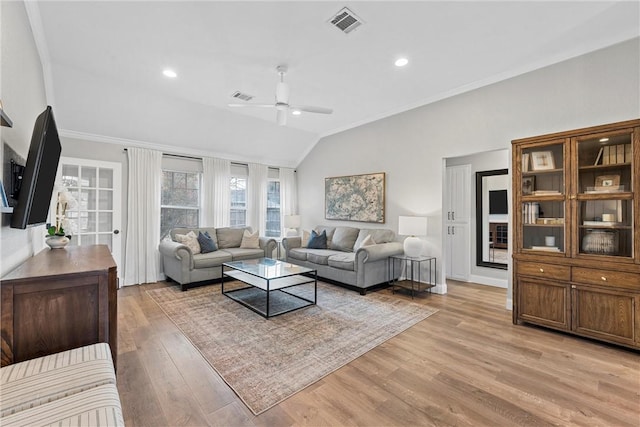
(282, 93)
(281, 117)
(311, 109)
(251, 105)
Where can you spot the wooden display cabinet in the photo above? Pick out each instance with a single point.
(576, 240)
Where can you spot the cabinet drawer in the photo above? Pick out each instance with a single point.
(618, 279)
(549, 271)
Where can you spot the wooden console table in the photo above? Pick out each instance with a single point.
(57, 300)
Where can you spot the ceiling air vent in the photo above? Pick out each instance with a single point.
(346, 21)
(239, 95)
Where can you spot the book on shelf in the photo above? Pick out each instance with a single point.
(601, 223)
(607, 189)
(599, 157)
(550, 221)
(545, 248)
(530, 212)
(614, 154)
(545, 192)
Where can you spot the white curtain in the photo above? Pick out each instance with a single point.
(257, 197)
(142, 258)
(288, 193)
(216, 198)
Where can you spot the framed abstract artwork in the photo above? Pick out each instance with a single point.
(355, 198)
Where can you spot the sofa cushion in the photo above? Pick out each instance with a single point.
(368, 241)
(44, 379)
(383, 235)
(320, 256)
(306, 235)
(250, 240)
(212, 259)
(239, 254)
(343, 261)
(229, 237)
(317, 241)
(344, 238)
(99, 406)
(298, 253)
(206, 243)
(190, 240)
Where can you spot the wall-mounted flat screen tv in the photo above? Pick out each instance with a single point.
(39, 173)
(498, 202)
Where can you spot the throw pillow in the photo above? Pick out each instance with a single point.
(206, 243)
(318, 241)
(368, 241)
(250, 241)
(190, 240)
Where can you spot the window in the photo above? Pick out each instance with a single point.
(273, 209)
(238, 201)
(180, 201)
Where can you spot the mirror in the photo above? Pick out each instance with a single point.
(492, 218)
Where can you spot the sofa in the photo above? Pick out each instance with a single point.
(189, 269)
(354, 257)
(75, 387)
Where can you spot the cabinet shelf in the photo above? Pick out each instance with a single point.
(544, 225)
(612, 166)
(545, 171)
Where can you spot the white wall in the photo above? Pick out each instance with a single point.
(23, 97)
(593, 89)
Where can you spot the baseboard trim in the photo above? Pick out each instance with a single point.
(489, 281)
(509, 304)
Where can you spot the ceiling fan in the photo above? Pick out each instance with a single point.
(282, 101)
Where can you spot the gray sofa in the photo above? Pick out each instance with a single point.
(182, 266)
(361, 268)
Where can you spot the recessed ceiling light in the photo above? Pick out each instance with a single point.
(296, 112)
(604, 139)
(169, 73)
(401, 62)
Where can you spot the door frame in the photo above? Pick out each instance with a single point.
(117, 239)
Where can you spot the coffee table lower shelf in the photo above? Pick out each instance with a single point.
(270, 297)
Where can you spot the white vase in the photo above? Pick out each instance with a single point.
(57, 242)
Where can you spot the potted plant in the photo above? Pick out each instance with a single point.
(57, 237)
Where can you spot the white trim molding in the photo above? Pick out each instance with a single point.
(489, 281)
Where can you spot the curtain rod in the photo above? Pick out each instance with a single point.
(182, 156)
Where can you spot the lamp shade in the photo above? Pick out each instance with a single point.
(412, 226)
(292, 221)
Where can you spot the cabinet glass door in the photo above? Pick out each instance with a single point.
(605, 198)
(543, 198)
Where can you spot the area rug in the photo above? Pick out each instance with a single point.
(266, 361)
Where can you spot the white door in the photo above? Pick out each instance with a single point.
(96, 186)
(459, 201)
(457, 217)
(458, 252)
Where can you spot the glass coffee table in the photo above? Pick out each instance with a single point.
(273, 287)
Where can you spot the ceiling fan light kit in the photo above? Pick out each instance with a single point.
(282, 105)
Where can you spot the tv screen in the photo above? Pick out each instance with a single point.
(39, 173)
(498, 202)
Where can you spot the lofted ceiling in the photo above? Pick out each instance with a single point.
(103, 63)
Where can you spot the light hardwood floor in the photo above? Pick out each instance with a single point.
(465, 365)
